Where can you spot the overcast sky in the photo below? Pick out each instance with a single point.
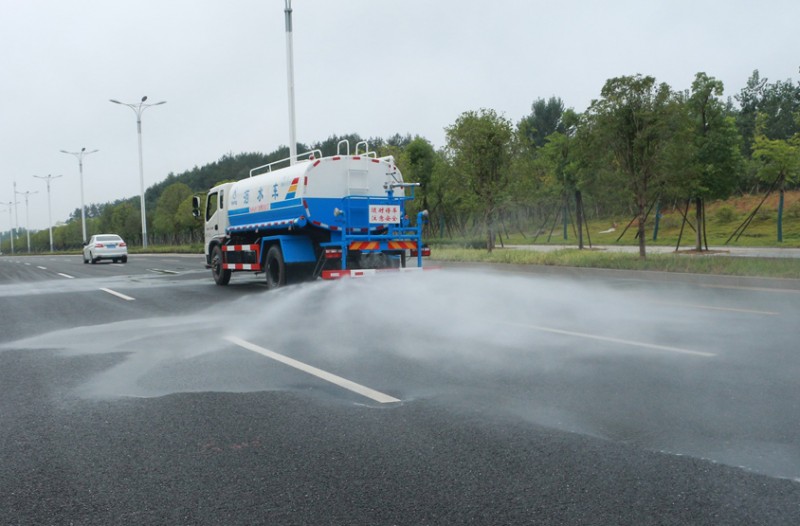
(372, 67)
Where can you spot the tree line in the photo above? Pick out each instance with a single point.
(639, 143)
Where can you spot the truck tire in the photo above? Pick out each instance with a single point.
(221, 276)
(275, 268)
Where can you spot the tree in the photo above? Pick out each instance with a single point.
(166, 221)
(480, 146)
(715, 159)
(420, 157)
(633, 120)
(780, 163)
(126, 221)
(544, 120)
(770, 107)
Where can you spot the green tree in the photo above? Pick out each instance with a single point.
(419, 157)
(633, 119)
(779, 163)
(714, 161)
(545, 119)
(166, 220)
(125, 221)
(480, 145)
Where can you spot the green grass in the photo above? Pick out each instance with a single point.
(696, 264)
(722, 220)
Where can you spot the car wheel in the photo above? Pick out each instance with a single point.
(92, 258)
(124, 259)
(221, 276)
(275, 268)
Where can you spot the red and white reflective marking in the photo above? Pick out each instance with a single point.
(241, 266)
(360, 273)
(239, 248)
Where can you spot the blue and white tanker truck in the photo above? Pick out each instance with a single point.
(329, 217)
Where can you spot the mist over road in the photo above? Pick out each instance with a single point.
(141, 393)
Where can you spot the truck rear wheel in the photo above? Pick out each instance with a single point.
(221, 276)
(275, 268)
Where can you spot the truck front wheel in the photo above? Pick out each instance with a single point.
(275, 268)
(221, 276)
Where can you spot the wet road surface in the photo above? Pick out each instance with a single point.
(144, 394)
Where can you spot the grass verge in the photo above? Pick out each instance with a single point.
(695, 264)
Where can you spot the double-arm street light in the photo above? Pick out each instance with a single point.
(80, 155)
(26, 193)
(138, 109)
(49, 178)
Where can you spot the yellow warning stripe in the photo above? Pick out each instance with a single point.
(402, 245)
(365, 245)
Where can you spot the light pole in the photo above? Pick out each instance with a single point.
(16, 214)
(49, 178)
(290, 82)
(138, 109)
(80, 155)
(26, 193)
(10, 223)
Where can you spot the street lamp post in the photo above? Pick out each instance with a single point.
(10, 223)
(290, 82)
(80, 155)
(49, 178)
(16, 213)
(26, 193)
(138, 109)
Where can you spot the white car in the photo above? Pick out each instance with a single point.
(105, 246)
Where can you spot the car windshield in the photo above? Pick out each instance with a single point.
(107, 239)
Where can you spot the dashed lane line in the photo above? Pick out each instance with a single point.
(65, 275)
(319, 373)
(117, 294)
(614, 340)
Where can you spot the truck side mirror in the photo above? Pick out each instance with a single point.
(196, 207)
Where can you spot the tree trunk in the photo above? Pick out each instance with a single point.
(641, 215)
(699, 220)
(780, 214)
(579, 217)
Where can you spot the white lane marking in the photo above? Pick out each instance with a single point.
(708, 307)
(65, 275)
(43, 268)
(758, 289)
(615, 340)
(162, 271)
(319, 373)
(118, 294)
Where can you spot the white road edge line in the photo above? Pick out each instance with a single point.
(118, 294)
(709, 307)
(319, 373)
(65, 275)
(615, 340)
(759, 289)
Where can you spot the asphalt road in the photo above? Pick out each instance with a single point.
(144, 394)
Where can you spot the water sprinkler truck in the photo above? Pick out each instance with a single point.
(319, 217)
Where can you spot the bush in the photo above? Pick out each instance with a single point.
(793, 210)
(725, 214)
(764, 214)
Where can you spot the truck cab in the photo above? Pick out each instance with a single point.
(215, 218)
